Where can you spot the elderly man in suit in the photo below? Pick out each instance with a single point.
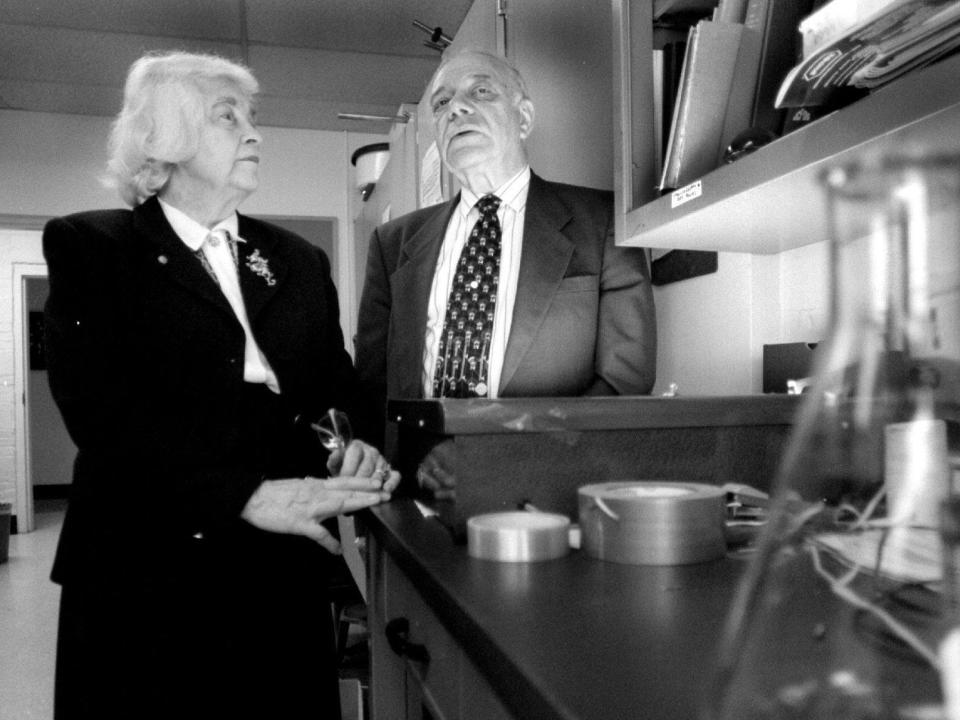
(512, 288)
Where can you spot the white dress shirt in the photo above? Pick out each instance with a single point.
(512, 212)
(220, 257)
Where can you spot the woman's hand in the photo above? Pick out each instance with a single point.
(363, 461)
(297, 506)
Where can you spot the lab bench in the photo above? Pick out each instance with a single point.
(574, 638)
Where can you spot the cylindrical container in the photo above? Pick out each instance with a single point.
(518, 536)
(652, 522)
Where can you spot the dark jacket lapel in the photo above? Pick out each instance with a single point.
(543, 263)
(411, 293)
(167, 250)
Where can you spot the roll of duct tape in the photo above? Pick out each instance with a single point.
(518, 536)
(652, 522)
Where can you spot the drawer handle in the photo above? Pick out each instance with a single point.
(398, 635)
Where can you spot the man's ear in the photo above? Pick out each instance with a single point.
(525, 107)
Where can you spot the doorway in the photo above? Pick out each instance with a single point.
(34, 423)
(51, 452)
(44, 451)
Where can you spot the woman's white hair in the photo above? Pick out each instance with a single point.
(164, 108)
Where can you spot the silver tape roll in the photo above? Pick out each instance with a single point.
(652, 522)
(518, 536)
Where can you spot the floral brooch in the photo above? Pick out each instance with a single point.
(259, 265)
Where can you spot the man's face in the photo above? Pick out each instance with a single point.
(479, 117)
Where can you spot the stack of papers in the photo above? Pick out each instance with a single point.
(904, 35)
(912, 555)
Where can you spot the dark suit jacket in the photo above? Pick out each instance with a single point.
(145, 362)
(583, 318)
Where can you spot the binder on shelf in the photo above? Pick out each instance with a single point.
(743, 89)
(776, 22)
(665, 7)
(697, 125)
(659, 121)
(668, 66)
(730, 11)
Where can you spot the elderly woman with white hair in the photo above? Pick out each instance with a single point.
(188, 348)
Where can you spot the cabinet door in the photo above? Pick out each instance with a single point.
(388, 677)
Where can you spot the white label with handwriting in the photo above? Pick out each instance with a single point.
(685, 194)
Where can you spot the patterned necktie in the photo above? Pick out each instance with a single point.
(462, 361)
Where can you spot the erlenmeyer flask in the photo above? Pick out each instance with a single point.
(842, 611)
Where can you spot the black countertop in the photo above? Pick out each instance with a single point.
(575, 637)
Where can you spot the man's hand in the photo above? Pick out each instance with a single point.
(435, 474)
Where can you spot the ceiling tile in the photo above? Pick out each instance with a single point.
(97, 58)
(378, 26)
(206, 19)
(328, 75)
(313, 58)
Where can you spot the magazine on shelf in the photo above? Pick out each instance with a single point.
(904, 35)
(833, 20)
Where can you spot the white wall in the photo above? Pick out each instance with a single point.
(564, 49)
(712, 329)
(50, 165)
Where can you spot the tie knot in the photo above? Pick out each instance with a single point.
(488, 204)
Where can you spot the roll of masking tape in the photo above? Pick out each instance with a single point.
(518, 536)
(652, 522)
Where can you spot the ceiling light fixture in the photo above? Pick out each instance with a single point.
(404, 118)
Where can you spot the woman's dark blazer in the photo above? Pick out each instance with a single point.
(145, 362)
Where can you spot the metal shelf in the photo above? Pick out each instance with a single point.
(772, 200)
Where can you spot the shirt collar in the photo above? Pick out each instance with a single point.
(513, 193)
(190, 231)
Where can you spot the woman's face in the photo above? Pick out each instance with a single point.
(226, 165)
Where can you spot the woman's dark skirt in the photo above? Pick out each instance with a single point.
(233, 626)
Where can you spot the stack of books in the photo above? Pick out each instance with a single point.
(769, 66)
(732, 66)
